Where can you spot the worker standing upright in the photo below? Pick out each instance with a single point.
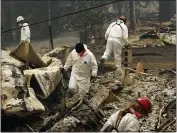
(84, 67)
(117, 37)
(25, 30)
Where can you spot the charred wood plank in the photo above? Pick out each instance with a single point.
(145, 54)
(166, 125)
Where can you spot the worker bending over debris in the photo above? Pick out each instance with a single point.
(84, 67)
(127, 120)
(25, 30)
(117, 37)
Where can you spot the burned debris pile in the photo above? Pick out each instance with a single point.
(160, 37)
(36, 99)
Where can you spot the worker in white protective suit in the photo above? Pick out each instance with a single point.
(84, 67)
(117, 37)
(127, 120)
(25, 30)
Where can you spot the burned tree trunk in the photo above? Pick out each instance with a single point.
(133, 23)
(83, 35)
(164, 10)
(54, 13)
(6, 21)
(119, 9)
(173, 7)
(13, 20)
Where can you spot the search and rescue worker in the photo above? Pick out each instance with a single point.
(25, 30)
(127, 120)
(84, 67)
(117, 37)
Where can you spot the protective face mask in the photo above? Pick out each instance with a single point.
(82, 53)
(135, 113)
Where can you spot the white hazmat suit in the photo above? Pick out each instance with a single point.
(82, 69)
(25, 32)
(116, 36)
(128, 123)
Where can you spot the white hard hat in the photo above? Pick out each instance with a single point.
(20, 18)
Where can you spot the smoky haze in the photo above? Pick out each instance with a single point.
(92, 22)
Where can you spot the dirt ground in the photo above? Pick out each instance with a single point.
(156, 57)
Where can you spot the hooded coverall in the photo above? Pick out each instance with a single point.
(116, 36)
(83, 67)
(25, 33)
(128, 123)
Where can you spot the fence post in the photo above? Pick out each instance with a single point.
(1, 37)
(50, 30)
(51, 38)
(83, 37)
(128, 58)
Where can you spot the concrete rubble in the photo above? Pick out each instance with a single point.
(157, 87)
(59, 53)
(7, 59)
(40, 89)
(20, 87)
(158, 37)
(44, 79)
(67, 124)
(17, 98)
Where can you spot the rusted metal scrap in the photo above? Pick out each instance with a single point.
(26, 54)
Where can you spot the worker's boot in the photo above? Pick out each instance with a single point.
(102, 60)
